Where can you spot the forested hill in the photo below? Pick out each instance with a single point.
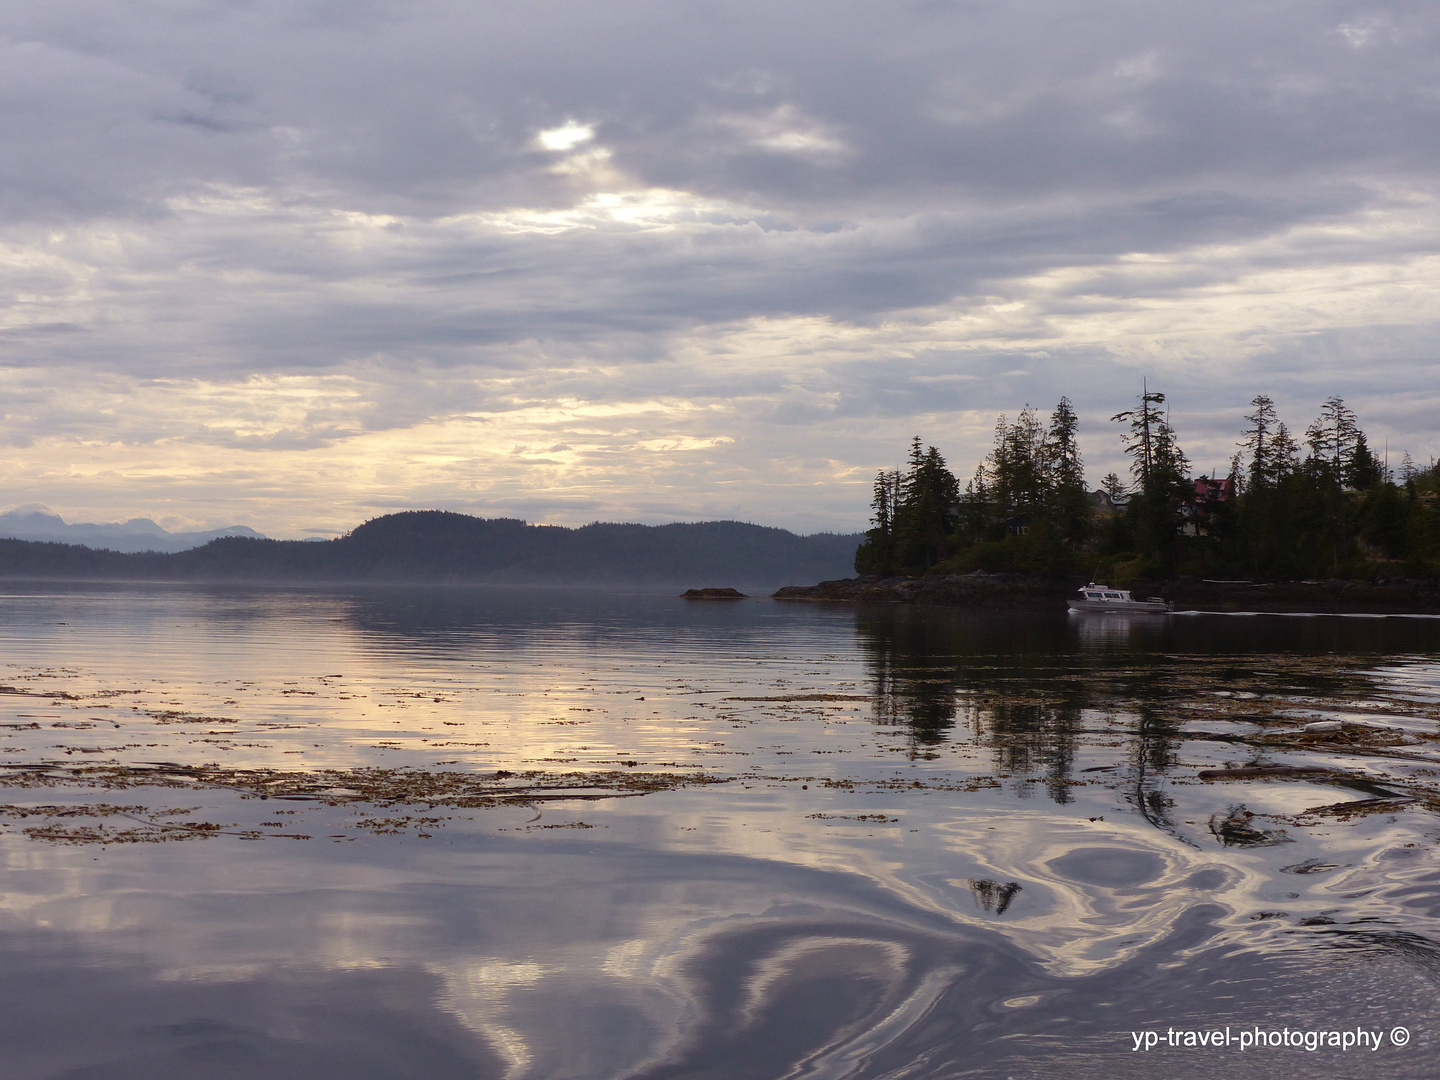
(439, 547)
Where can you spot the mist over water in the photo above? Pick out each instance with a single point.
(524, 833)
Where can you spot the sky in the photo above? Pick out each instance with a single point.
(297, 264)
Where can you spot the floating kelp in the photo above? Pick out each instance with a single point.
(82, 823)
(88, 823)
(379, 786)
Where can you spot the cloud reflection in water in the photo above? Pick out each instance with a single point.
(816, 915)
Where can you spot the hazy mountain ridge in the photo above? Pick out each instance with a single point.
(433, 546)
(138, 534)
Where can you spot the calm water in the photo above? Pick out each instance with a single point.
(721, 840)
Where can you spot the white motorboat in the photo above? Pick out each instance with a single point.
(1105, 598)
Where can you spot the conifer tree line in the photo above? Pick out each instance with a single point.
(1323, 505)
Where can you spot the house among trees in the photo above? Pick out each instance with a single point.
(1106, 504)
(1204, 509)
(1209, 491)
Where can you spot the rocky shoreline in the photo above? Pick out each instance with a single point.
(979, 590)
(1021, 592)
(1333, 597)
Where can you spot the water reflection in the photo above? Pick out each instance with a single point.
(1153, 751)
(614, 961)
(994, 679)
(1040, 694)
(935, 845)
(993, 896)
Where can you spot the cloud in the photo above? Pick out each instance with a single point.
(567, 136)
(647, 260)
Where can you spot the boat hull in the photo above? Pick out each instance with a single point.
(1128, 607)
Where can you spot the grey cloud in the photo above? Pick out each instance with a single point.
(435, 104)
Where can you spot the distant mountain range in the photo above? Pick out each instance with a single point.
(433, 546)
(137, 534)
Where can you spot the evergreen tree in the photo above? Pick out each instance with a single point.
(1265, 514)
(1067, 503)
(928, 511)
(1139, 441)
(1162, 470)
(1170, 469)
(1333, 437)
(913, 514)
(1018, 467)
(1383, 518)
(1364, 471)
(976, 512)
(876, 555)
(1260, 441)
(1284, 455)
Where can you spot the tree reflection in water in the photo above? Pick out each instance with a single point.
(1136, 702)
(1155, 740)
(1004, 684)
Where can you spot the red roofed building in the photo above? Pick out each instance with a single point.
(1213, 491)
(1201, 510)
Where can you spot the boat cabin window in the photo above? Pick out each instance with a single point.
(1093, 596)
(1112, 596)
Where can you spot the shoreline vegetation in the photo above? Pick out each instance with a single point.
(1334, 529)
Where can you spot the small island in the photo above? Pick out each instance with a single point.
(1327, 527)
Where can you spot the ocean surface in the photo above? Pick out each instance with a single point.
(483, 832)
